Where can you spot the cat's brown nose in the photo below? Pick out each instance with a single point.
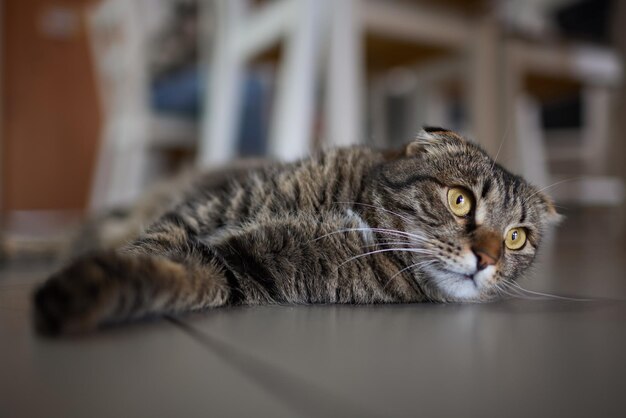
(487, 246)
(484, 259)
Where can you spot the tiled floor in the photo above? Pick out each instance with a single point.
(515, 358)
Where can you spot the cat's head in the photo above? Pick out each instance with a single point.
(473, 226)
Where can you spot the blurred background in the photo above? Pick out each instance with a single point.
(101, 98)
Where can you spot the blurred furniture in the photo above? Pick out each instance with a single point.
(49, 119)
(336, 42)
(243, 32)
(500, 80)
(50, 115)
(618, 125)
(428, 56)
(461, 69)
(536, 72)
(133, 135)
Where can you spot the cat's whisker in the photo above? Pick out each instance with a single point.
(501, 287)
(497, 291)
(506, 133)
(407, 234)
(408, 242)
(532, 295)
(380, 230)
(518, 293)
(389, 244)
(409, 250)
(548, 295)
(561, 207)
(515, 295)
(412, 266)
(550, 186)
(341, 231)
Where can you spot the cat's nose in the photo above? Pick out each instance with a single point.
(484, 259)
(487, 247)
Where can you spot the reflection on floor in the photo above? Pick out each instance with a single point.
(515, 358)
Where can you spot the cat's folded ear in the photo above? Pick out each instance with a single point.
(430, 135)
(427, 139)
(551, 215)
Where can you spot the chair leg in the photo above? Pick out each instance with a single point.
(344, 82)
(597, 112)
(531, 153)
(218, 142)
(294, 107)
(103, 168)
(485, 113)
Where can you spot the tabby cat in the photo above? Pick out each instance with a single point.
(439, 221)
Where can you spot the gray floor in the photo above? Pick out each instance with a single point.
(515, 358)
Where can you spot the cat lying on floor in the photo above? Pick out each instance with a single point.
(440, 221)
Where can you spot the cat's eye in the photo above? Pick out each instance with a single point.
(515, 238)
(460, 201)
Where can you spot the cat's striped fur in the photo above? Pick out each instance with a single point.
(350, 225)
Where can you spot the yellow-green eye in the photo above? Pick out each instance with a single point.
(460, 201)
(515, 238)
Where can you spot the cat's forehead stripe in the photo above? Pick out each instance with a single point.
(486, 188)
(516, 186)
(523, 217)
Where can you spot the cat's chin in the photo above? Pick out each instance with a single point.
(462, 287)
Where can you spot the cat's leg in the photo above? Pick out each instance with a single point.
(315, 259)
(166, 271)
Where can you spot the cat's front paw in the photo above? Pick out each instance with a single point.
(76, 299)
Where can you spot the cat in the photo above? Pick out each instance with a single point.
(439, 221)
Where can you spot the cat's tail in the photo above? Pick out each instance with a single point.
(112, 287)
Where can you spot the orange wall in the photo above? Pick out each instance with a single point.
(51, 117)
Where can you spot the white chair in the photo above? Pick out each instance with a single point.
(120, 31)
(243, 32)
(598, 71)
(502, 115)
(323, 39)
